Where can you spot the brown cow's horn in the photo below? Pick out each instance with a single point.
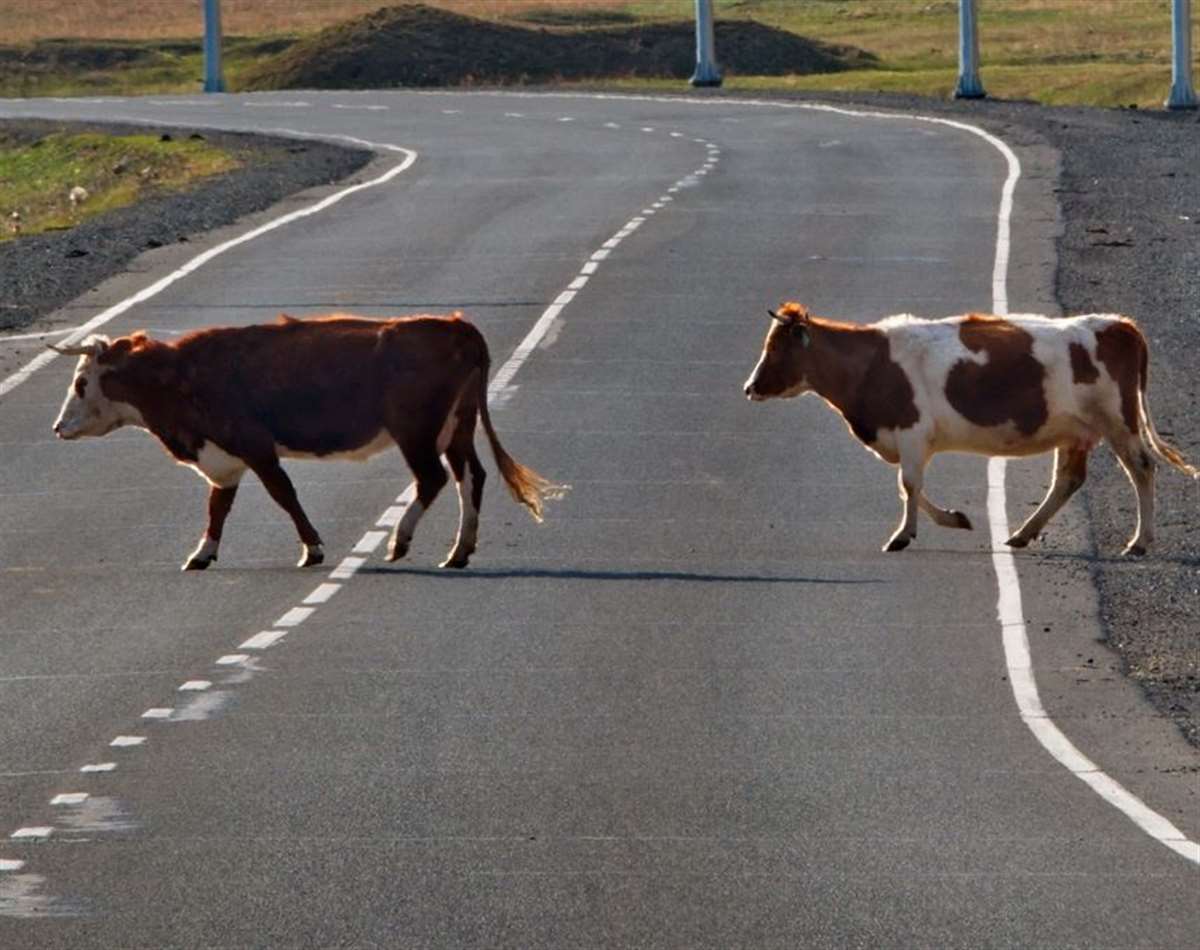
(779, 318)
(70, 350)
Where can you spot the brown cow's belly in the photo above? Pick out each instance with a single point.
(381, 441)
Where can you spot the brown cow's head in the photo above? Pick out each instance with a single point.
(88, 410)
(781, 370)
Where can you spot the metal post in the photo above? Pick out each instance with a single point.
(707, 73)
(969, 86)
(213, 80)
(1182, 95)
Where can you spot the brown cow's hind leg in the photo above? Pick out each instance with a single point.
(426, 465)
(1070, 472)
(469, 475)
(280, 488)
(220, 500)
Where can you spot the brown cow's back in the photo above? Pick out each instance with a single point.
(330, 385)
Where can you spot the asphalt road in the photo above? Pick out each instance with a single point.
(697, 707)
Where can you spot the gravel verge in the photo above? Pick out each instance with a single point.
(1129, 197)
(39, 273)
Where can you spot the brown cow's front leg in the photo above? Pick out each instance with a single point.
(220, 500)
(280, 488)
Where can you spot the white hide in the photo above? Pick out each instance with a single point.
(927, 350)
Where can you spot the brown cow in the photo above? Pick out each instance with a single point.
(227, 399)
(1018, 385)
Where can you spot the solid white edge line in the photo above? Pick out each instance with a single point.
(43, 359)
(1015, 636)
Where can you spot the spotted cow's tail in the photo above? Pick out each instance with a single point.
(527, 487)
(1162, 448)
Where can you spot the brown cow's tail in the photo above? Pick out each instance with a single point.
(1162, 448)
(527, 487)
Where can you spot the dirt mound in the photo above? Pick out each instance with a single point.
(417, 45)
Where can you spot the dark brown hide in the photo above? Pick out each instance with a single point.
(1009, 387)
(1083, 370)
(851, 367)
(1123, 351)
(318, 386)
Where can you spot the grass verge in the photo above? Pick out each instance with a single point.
(1063, 52)
(55, 182)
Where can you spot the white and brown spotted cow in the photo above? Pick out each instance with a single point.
(1018, 385)
(228, 399)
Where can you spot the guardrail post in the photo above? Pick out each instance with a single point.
(969, 86)
(707, 73)
(1183, 95)
(213, 80)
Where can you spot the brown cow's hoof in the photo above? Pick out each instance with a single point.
(897, 543)
(962, 521)
(1016, 541)
(455, 562)
(197, 564)
(397, 551)
(311, 557)
(1134, 550)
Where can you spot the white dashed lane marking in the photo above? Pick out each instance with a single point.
(499, 390)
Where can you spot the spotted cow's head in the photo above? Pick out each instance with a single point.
(782, 369)
(88, 409)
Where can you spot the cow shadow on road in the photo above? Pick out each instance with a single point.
(609, 574)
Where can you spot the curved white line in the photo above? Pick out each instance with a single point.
(42, 359)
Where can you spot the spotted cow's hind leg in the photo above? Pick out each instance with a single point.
(1139, 465)
(946, 517)
(1070, 472)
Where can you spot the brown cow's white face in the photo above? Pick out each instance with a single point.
(86, 411)
(780, 371)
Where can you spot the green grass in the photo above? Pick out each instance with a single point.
(36, 178)
(1086, 52)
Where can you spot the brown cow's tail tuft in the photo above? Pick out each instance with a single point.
(1162, 448)
(527, 487)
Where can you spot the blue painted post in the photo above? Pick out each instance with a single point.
(969, 86)
(1183, 95)
(213, 80)
(707, 73)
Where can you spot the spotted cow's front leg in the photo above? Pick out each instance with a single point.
(909, 478)
(220, 500)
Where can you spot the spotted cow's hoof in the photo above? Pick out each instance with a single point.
(962, 521)
(197, 563)
(458, 563)
(898, 543)
(1016, 541)
(396, 551)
